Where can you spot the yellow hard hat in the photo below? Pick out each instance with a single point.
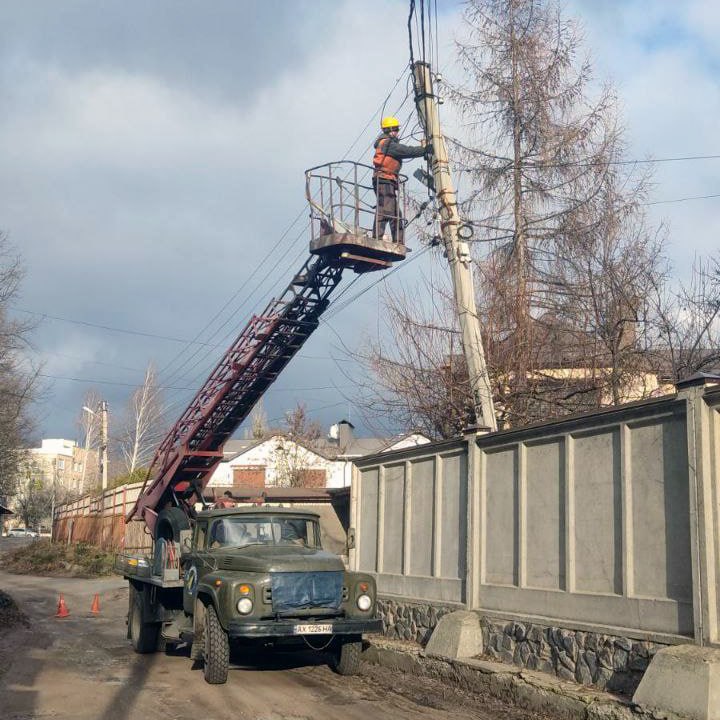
(389, 122)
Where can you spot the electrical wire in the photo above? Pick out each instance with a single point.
(271, 270)
(110, 328)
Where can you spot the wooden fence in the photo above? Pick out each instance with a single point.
(100, 520)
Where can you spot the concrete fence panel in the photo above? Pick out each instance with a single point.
(409, 513)
(606, 522)
(587, 521)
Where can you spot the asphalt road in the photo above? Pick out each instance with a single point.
(82, 667)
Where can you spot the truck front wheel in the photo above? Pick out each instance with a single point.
(143, 635)
(347, 657)
(217, 649)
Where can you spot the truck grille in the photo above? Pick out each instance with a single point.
(305, 590)
(267, 594)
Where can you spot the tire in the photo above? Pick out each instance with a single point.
(169, 524)
(143, 635)
(217, 649)
(348, 658)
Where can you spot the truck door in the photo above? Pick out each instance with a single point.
(192, 562)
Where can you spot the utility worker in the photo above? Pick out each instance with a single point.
(387, 162)
(226, 501)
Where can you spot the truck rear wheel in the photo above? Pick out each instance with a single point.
(347, 657)
(143, 635)
(217, 649)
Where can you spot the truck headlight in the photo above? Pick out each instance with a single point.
(244, 606)
(364, 602)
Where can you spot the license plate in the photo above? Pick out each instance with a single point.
(313, 629)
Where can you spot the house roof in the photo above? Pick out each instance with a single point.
(357, 447)
(270, 494)
(5, 511)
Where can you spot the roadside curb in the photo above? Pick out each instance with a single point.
(528, 689)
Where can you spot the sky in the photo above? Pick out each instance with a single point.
(152, 161)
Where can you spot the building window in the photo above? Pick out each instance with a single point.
(61, 464)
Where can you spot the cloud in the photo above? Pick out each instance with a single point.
(153, 156)
(143, 197)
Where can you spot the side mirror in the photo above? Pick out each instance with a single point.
(185, 541)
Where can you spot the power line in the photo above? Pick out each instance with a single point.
(683, 199)
(110, 328)
(93, 381)
(530, 165)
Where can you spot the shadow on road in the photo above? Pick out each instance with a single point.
(123, 700)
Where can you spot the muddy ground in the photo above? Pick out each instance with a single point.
(82, 667)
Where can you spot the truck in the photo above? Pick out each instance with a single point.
(243, 576)
(260, 574)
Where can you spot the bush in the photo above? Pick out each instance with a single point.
(10, 614)
(43, 557)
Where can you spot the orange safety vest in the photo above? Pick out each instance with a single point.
(386, 167)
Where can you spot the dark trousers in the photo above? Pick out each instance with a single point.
(387, 211)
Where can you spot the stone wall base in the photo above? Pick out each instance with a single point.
(608, 662)
(528, 689)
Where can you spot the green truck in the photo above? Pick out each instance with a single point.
(248, 577)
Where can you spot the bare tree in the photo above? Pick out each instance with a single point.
(567, 259)
(259, 422)
(687, 322)
(417, 376)
(18, 378)
(142, 427)
(33, 497)
(543, 159)
(294, 449)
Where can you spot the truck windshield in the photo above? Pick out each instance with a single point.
(242, 531)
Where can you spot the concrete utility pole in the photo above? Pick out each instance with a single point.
(104, 443)
(457, 251)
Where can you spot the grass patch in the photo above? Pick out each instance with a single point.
(10, 613)
(43, 557)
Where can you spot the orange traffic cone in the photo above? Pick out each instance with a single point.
(95, 609)
(62, 610)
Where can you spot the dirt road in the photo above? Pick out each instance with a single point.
(82, 667)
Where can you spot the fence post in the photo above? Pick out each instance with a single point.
(701, 442)
(473, 546)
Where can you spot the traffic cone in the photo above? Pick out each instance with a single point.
(95, 609)
(62, 610)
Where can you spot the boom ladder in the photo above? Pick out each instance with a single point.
(191, 451)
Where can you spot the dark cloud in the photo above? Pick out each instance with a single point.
(225, 46)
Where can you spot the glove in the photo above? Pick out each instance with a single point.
(429, 151)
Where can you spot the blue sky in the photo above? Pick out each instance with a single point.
(153, 155)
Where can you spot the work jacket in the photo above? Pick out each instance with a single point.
(389, 154)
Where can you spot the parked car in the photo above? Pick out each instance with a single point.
(22, 532)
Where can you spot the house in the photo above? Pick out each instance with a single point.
(64, 463)
(280, 461)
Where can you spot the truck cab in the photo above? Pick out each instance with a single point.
(247, 576)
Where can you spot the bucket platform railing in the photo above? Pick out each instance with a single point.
(343, 216)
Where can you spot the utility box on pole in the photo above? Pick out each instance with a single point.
(457, 251)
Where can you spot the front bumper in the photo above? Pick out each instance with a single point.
(286, 628)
